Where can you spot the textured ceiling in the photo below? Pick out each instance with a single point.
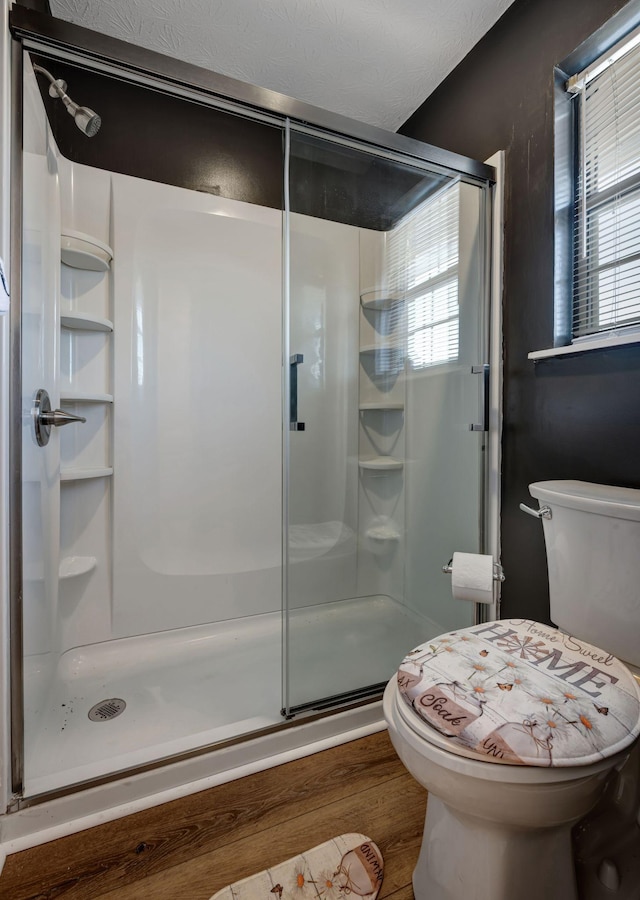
(373, 60)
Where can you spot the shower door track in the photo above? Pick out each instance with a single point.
(366, 694)
(351, 702)
(39, 32)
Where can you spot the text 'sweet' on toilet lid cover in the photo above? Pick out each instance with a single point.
(518, 692)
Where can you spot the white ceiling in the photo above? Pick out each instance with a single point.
(373, 60)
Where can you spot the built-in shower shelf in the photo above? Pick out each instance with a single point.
(83, 251)
(364, 407)
(381, 464)
(379, 300)
(82, 322)
(77, 474)
(379, 349)
(84, 397)
(72, 566)
(382, 533)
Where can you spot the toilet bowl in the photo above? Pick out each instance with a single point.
(492, 831)
(513, 764)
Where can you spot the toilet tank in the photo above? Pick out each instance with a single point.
(593, 555)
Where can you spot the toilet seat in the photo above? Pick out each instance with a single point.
(429, 734)
(426, 744)
(518, 692)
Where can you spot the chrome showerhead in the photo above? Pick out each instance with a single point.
(86, 119)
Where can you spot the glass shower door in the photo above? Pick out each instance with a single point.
(40, 453)
(386, 312)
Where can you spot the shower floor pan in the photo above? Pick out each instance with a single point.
(198, 686)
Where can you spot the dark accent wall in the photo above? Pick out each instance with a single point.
(152, 135)
(149, 134)
(572, 417)
(42, 6)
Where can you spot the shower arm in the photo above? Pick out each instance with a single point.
(86, 119)
(58, 87)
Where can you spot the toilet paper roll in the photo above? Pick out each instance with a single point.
(472, 577)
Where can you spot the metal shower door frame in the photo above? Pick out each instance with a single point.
(57, 39)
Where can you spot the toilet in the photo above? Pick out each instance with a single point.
(525, 735)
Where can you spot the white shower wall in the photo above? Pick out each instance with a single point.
(197, 425)
(40, 311)
(323, 458)
(444, 470)
(381, 500)
(432, 506)
(188, 528)
(86, 362)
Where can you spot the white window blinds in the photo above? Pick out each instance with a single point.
(606, 282)
(422, 266)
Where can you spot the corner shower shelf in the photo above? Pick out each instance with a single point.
(381, 464)
(77, 474)
(82, 397)
(82, 322)
(374, 349)
(382, 533)
(379, 300)
(384, 405)
(72, 566)
(83, 251)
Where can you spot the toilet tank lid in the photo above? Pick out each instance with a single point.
(603, 499)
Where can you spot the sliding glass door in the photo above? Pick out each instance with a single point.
(385, 312)
(170, 518)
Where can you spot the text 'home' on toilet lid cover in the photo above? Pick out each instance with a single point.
(521, 693)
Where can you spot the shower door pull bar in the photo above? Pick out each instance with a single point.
(44, 418)
(294, 362)
(484, 371)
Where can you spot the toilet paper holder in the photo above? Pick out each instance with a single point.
(498, 571)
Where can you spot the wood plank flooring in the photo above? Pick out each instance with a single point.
(190, 848)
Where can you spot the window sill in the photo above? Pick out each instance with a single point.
(600, 342)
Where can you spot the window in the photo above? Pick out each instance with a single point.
(422, 263)
(606, 250)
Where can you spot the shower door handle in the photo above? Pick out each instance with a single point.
(294, 362)
(45, 418)
(484, 371)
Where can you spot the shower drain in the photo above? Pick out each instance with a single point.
(107, 709)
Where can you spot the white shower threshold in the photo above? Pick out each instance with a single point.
(79, 809)
(200, 686)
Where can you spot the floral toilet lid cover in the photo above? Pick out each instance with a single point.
(521, 693)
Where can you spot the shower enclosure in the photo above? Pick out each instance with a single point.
(277, 381)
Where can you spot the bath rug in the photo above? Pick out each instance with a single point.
(348, 864)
